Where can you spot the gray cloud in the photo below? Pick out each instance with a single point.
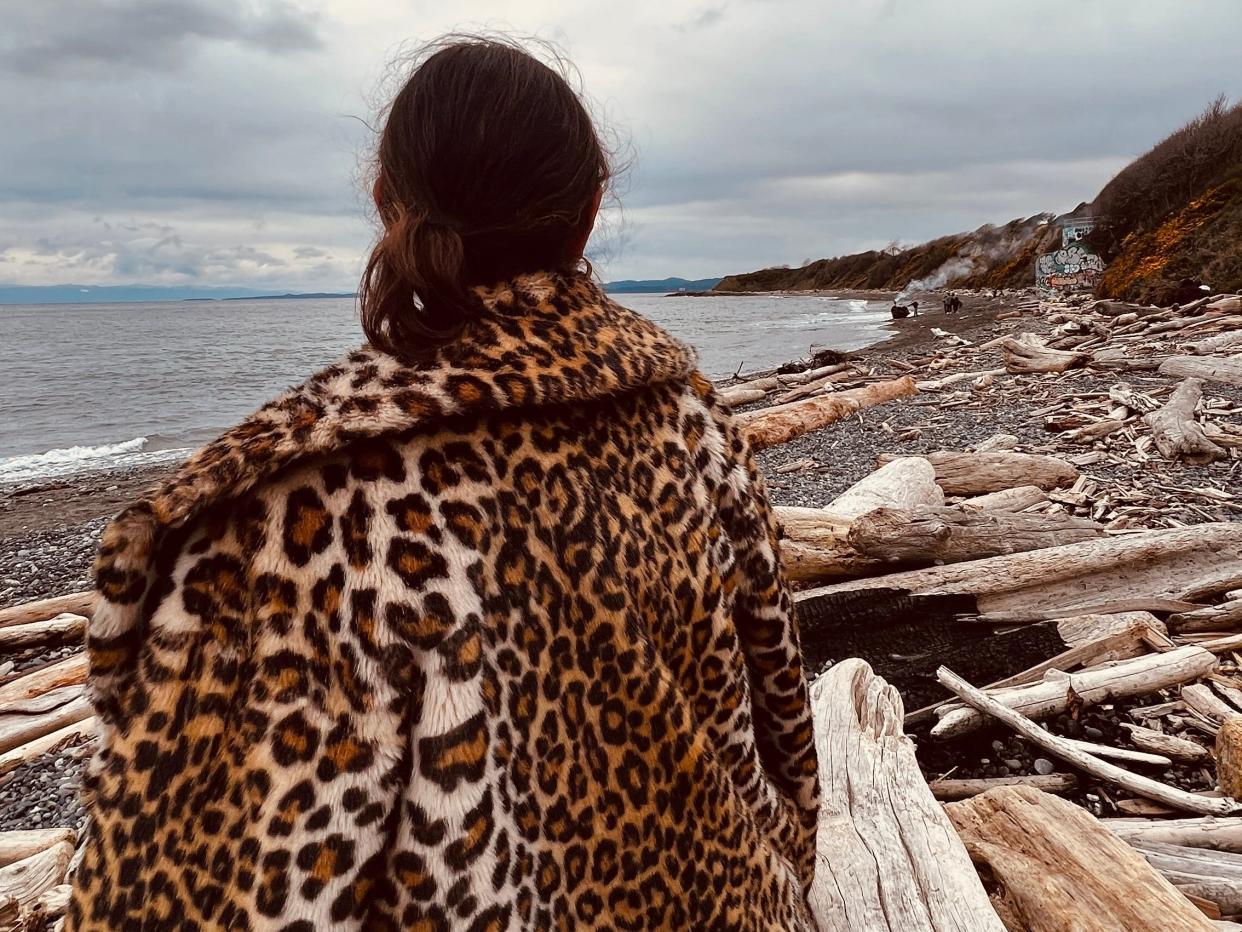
(181, 141)
(87, 36)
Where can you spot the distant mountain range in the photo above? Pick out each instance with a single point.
(128, 294)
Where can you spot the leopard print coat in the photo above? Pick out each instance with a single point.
(499, 641)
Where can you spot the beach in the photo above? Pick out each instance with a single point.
(49, 528)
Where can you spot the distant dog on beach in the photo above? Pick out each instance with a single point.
(901, 311)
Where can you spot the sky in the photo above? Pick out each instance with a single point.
(225, 142)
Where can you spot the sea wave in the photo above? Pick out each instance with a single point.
(69, 461)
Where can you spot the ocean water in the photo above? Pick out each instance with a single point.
(95, 386)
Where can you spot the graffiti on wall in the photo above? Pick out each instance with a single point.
(1071, 268)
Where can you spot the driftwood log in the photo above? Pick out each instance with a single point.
(888, 857)
(769, 426)
(1215, 876)
(68, 672)
(1212, 368)
(1056, 868)
(77, 603)
(1022, 356)
(1066, 751)
(995, 470)
(18, 845)
(1221, 617)
(952, 535)
(58, 630)
(82, 730)
(1058, 691)
(28, 879)
(18, 728)
(1229, 757)
(1173, 746)
(1164, 564)
(1015, 499)
(964, 789)
(1176, 433)
(1209, 832)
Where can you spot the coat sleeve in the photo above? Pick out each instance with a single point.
(767, 632)
(247, 770)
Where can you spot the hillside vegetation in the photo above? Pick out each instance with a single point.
(1171, 216)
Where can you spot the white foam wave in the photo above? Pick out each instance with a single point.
(70, 460)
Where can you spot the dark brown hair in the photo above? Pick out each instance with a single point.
(487, 166)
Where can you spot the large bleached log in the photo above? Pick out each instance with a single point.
(979, 473)
(17, 729)
(769, 426)
(951, 535)
(888, 857)
(85, 729)
(18, 845)
(1134, 677)
(964, 789)
(1023, 357)
(58, 630)
(28, 879)
(1074, 578)
(1088, 763)
(902, 482)
(1015, 499)
(77, 603)
(840, 373)
(1212, 368)
(1175, 431)
(1217, 834)
(737, 396)
(68, 672)
(815, 543)
(1056, 868)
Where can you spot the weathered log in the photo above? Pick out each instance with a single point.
(1175, 431)
(951, 535)
(888, 857)
(1015, 499)
(1054, 695)
(19, 845)
(996, 442)
(1201, 698)
(932, 385)
(1212, 368)
(1074, 578)
(811, 387)
(1226, 341)
(1209, 618)
(769, 426)
(1212, 875)
(948, 790)
(1217, 834)
(68, 672)
(1058, 747)
(979, 473)
(58, 630)
(83, 730)
(1056, 868)
(77, 603)
(902, 482)
(1029, 357)
(1229, 304)
(28, 879)
(1172, 746)
(735, 397)
(17, 729)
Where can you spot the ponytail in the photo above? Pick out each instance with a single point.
(414, 296)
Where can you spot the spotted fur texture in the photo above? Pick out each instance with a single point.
(498, 641)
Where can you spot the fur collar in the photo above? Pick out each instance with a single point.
(545, 339)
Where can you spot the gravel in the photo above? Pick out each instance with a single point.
(48, 563)
(45, 792)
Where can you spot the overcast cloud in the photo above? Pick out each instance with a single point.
(219, 142)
